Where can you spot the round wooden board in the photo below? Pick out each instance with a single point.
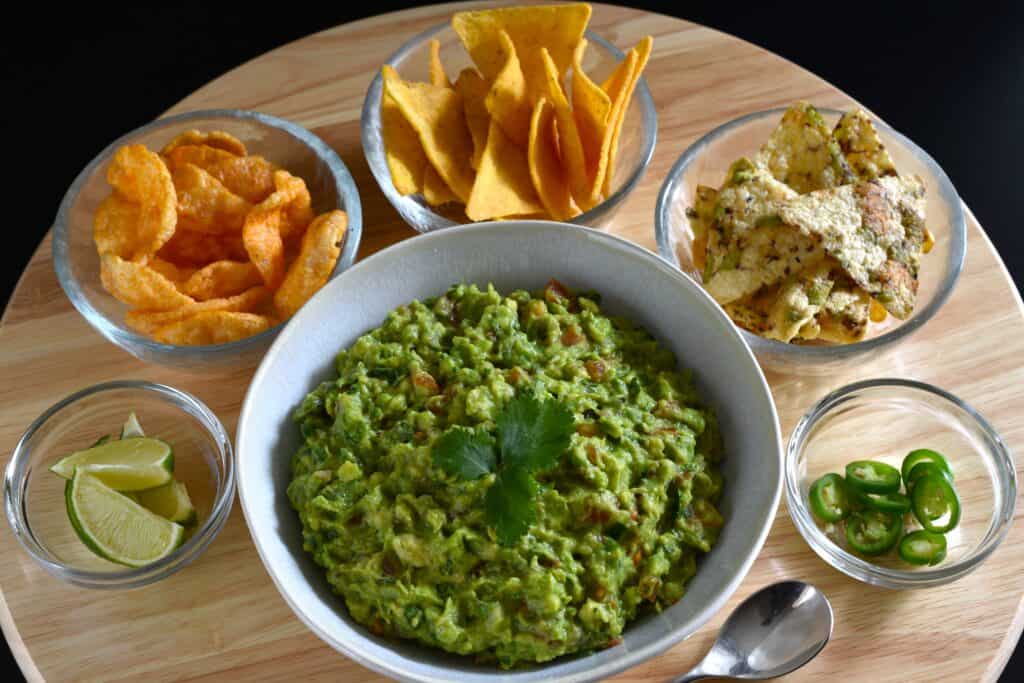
(222, 618)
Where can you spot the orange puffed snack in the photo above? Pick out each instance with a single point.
(208, 244)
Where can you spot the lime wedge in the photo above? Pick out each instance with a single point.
(170, 501)
(115, 527)
(126, 465)
(131, 428)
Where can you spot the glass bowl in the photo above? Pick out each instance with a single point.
(636, 144)
(34, 496)
(706, 162)
(284, 143)
(884, 419)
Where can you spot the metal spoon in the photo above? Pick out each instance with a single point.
(773, 632)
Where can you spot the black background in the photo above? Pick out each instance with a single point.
(949, 75)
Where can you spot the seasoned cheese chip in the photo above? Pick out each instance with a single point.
(643, 53)
(149, 321)
(189, 248)
(800, 299)
(204, 204)
(217, 139)
(751, 312)
(321, 246)
(114, 227)
(138, 285)
(436, 116)
(557, 27)
(212, 327)
(546, 171)
(701, 216)
(802, 153)
(766, 255)
(250, 177)
(570, 147)
(874, 229)
(437, 75)
(749, 200)
(473, 89)
(859, 142)
(140, 176)
(503, 186)
(221, 279)
(508, 101)
(406, 159)
(435, 191)
(591, 107)
(844, 317)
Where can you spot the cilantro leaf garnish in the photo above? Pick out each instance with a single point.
(508, 504)
(467, 453)
(532, 435)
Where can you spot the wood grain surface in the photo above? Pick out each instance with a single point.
(221, 618)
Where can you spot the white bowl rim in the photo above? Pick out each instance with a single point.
(396, 666)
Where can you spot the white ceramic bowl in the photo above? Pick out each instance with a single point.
(525, 254)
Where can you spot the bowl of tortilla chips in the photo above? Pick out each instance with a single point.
(191, 240)
(516, 112)
(826, 236)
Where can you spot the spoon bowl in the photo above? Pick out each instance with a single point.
(775, 631)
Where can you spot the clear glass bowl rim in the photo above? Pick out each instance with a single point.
(958, 246)
(344, 184)
(863, 570)
(371, 110)
(128, 578)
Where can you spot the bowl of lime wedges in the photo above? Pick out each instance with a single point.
(120, 484)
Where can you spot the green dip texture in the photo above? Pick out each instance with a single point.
(620, 520)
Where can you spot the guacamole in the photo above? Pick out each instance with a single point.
(621, 519)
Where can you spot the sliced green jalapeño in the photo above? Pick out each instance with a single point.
(923, 548)
(829, 499)
(925, 455)
(872, 532)
(935, 503)
(896, 503)
(870, 476)
(923, 468)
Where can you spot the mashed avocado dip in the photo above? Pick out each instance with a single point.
(620, 520)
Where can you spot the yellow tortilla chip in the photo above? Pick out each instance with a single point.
(508, 101)
(435, 191)
(569, 146)
(591, 107)
(473, 88)
(406, 159)
(643, 52)
(436, 115)
(437, 75)
(549, 178)
(615, 86)
(557, 27)
(503, 186)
